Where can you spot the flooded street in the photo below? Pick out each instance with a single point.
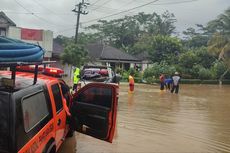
(150, 120)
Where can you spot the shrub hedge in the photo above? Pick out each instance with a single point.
(183, 81)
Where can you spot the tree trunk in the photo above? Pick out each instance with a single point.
(222, 76)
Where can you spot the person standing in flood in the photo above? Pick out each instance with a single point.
(162, 81)
(168, 83)
(176, 80)
(131, 82)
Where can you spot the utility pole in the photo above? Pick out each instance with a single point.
(79, 10)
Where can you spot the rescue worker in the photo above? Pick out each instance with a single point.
(131, 82)
(76, 78)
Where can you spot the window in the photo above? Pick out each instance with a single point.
(97, 95)
(2, 32)
(57, 97)
(34, 110)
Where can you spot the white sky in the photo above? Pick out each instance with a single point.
(56, 15)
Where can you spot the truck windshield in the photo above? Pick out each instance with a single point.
(4, 121)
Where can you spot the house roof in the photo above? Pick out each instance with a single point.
(104, 52)
(100, 52)
(3, 15)
(143, 55)
(94, 50)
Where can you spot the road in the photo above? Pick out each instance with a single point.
(150, 120)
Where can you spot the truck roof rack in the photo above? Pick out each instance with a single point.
(13, 69)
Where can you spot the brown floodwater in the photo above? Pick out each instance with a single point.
(150, 120)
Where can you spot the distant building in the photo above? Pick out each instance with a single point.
(5, 23)
(145, 60)
(107, 55)
(37, 36)
(100, 54)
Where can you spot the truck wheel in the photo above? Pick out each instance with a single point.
(70, 133)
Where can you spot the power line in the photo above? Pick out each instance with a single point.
(43, 6)
(30, 12)
(95, 2)
(15, 12)
(172, 3)
(121, 12)
(103, 9)
(102, 4)
(149, 3)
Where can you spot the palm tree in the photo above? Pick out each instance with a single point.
(220, 40)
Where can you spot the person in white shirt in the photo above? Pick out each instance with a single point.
(176, 80)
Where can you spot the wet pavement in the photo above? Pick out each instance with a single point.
(150, 120)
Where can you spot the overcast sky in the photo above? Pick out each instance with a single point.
(56, 15)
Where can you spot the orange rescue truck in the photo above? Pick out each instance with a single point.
(33, 117)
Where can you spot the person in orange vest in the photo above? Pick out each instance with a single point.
(131, 82)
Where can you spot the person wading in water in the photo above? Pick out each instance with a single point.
(176, 80)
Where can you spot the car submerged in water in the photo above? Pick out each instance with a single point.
(98, 73)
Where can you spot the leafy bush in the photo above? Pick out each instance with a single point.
(157, 69)
(137, 75)
(218, 69)
(205, 74)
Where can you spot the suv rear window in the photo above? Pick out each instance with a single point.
(34, 110)
(4, 124)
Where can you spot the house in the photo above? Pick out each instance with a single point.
(145, 60)
(100, 54)
(36, 36)
(107, 55)
(5, 23)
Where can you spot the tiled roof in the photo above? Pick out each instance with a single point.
(102, 52)
(94, 50)
(142, 56)
(98, 51)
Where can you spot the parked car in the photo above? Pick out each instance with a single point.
(98, 73)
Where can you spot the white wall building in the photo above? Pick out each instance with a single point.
(37, 36)
(46, 40)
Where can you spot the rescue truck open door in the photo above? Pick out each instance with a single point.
(94, 110)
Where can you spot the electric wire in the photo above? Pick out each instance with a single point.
(95, 2)
(31, 13)
(120, 12)
(102, 5)
(143, 5)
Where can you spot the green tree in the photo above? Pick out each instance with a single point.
(63, 40)
(152, 74)
(160, 48)
(74, 55)
(187, 61)
(125, 32)
(220, 40)
(195, 38)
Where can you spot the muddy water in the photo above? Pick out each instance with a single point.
(150, 120)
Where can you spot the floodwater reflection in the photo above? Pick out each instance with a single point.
(150, 120)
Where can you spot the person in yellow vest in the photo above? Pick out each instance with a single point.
(76, 78)
(131, 83)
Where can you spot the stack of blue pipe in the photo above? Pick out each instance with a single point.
(12, 50)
